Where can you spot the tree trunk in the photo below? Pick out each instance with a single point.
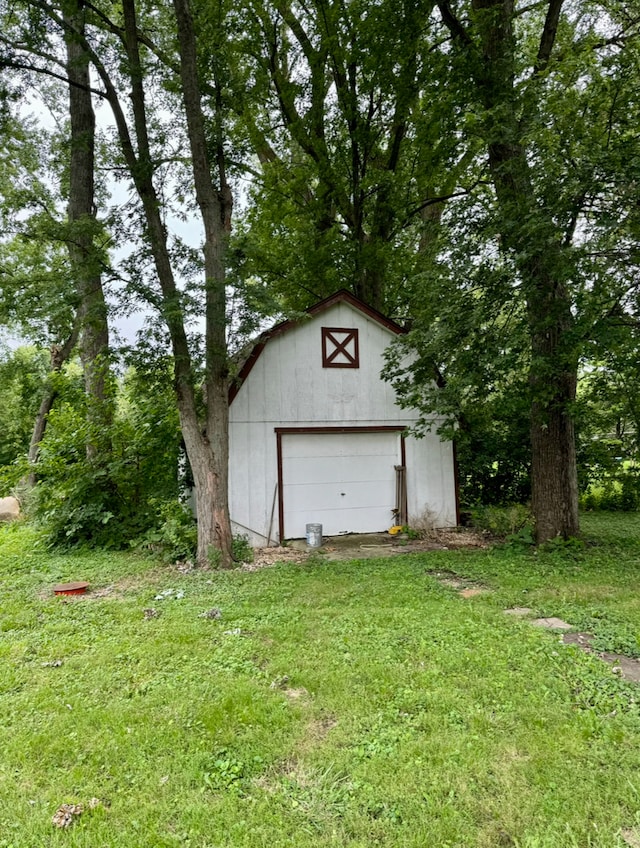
(554, 477)
(212, 510)
(59, 355)
(542, 261)
(85, 261)
(215, 210)
(553, 377)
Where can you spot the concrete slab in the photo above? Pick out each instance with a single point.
(552, 623)
(582, 640)
(629, 669)
(631, 836)
(367, 545)
(518, 611)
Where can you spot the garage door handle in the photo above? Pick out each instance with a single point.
(343, 493)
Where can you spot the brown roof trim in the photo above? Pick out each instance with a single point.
(342, 296)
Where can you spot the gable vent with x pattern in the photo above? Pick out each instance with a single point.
(340, 347)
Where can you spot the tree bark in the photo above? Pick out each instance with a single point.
(541, 262)
(553, 378)
(85, 261)
(554, 474)
(207, 444)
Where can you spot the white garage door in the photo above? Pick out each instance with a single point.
(344, 481)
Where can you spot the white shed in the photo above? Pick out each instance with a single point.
(315, 434)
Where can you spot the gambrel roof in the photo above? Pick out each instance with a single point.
(342, 296)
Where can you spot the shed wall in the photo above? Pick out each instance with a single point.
(288, 387)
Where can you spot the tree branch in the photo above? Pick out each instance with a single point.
(453, 24)
(548, 37)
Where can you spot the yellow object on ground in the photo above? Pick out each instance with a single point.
(393, 531)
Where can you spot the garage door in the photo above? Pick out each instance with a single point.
(344, 481)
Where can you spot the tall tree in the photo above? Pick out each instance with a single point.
(129, 76)
(333, 97)
(35, 298)
(87, 260)
(80, 283)
(516, 74)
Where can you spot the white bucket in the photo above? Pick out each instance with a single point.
(314, 535)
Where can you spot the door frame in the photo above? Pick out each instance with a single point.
(292, 431)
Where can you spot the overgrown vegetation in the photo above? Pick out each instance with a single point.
(499, 522)
(613, 491)
(334, 703)
(114, 498)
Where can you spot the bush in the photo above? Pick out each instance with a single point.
(175, 536)
(501, 521)
(118, 495)
(618, 494)
(241, 550)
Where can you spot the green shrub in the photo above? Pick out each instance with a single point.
(23, 374)
(521, 539)
(501, 521)
(614, 494)
(241, 549)
(117, 496)
(175, 536)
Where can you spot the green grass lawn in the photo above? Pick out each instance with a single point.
(351, 703)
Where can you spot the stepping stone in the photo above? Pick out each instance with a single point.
(552, 623)
(629, 669)
(631, 836)
(518, 611)
(582, 640)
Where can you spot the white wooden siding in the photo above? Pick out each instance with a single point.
(288, 383)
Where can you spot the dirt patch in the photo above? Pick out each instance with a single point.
(582, 640)
(464, 586)
(319, 728)
(106, 592)
(298, 694)
(450, 580)
(114, 591)
(367, 545)
(316, 732)
(455, 538)
(472, 592)
(265, 557)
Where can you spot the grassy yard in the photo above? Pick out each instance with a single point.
(331, 704)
